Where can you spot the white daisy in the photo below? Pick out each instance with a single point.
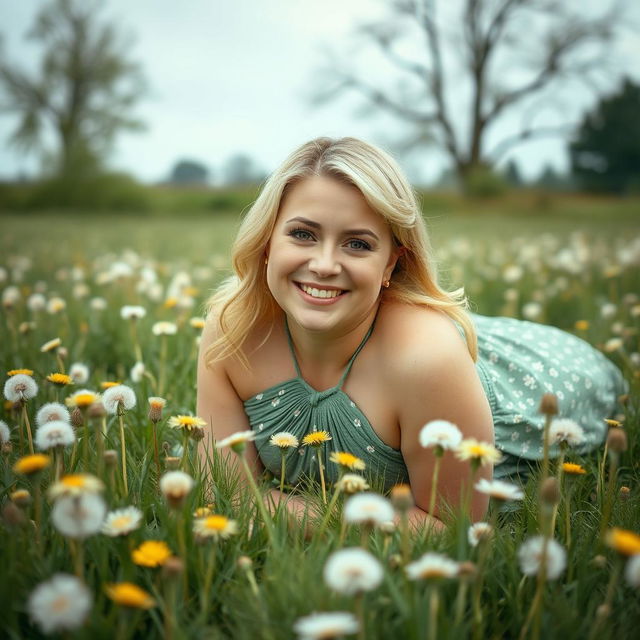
(122, 521)
(632, 570)
(324, 626)
(20, 387)
(79, 516)
(499, 490)
(52, 411)
(55, 433)
(352, 571)
(440, 433)
(237, 441)
(284, 440)
(132, 312)
(60, 604)
(5, 433)
(368, 508)
(566, 431)
(530, 557)
(79, 372)
(430, 566)
(351, 483)
(121, 394)
(478, 532)
(164, 328)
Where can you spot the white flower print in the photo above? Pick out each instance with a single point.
(553, 372)
(275, 402)
(370, 449)
(296, 413)
(537, 366)
(529, 382)
(517, 418)
(357, 422)
(260, 396)
(281, 392)
(514, 436)
(493, 357)
(568, 386)
(260, 426)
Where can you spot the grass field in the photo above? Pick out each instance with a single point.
(548, 263)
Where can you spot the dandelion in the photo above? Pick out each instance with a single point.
(542, 554)
(623, 541)
(284, 441)
(82, 399)
(76, 484)
(316, 439)
(79, 373)
(29, 465)
(55, 434)
(21, 497)
(36, 302)
(56, 305)
(324, 626)
(347, 461)
(18, 389)
(5, 433)
(60, 379)
(51, 345)
(573, 469)
(214, 526)
(137, 372)
(187, 423)
(14, 372)
(479, 532)
(79, 516)
(197, 323)
(352, 571)
(132, 312)
(432, 566)
(175, 486)
(351, 483)
(632, 571)
(107, 384)
(52, 411)
(122, 521)
(499, 490)
(156, 405)
(127, 594)
(203, 512)
(236, 441)
(581, 325)
(151, 553)
(566, 432)
(368, 509)
(480, 453)
(98, 304)
(60, 604)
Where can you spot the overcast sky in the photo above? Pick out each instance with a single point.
(234, 76)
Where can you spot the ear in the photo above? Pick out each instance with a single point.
(396, 252)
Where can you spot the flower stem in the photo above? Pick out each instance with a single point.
(282, 469)
(25, 418)
(123, 453)
(324, 489)
(258, 497)
(329, 511)
(434, 483)
(608, 502)
(434, 605)
(208, 577)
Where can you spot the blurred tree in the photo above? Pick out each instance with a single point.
(189, 172)
(461, 67)
(240, 169)
(84, 88)
(605, 154)
(512, 174)
(550, 179)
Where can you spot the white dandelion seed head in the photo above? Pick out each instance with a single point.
(60, 604)
(98, 304)
(478, 532)
(632, 570)
(5, 432)
(11, 296)
(499, 490)
(121, 394)
(20, 387)
(79, 516)
(440, 433)
(565, 430)
(132, 312)
(530, 557)
(137, 372)
(532, 310)
(351, 483)
(431, 566)
(56, 305)
(164, 328)
(79, 373)
(324, 626)
(352, 571)
(36, 302)
(52, 411)
(368, 508)
(122, 521)
(608, 310)
(176, 485)
(55, 433)
(284, 440)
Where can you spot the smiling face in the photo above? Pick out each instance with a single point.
(329, 254)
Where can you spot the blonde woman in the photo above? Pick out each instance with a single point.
(335, 321)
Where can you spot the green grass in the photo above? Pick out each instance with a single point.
(40, 251)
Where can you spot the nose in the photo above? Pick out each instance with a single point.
(324, 262)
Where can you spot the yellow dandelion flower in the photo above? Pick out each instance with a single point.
(347, 460)
(481, 452)
(170, 303)
(107, 384)
(21, 497)
(215, 526)
(573, 469)
(283, 440)
(61, 379)
(82, 399)
(613, 423)
(15, 372)
(581, 325)
(151, 553)
(131, 595)
(32, 464)
(75, 484)
(188, 423)
(316, 438)
(197, 323)
(623, 541)
(203, 512)
(52, 345)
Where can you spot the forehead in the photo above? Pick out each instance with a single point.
(331, 199)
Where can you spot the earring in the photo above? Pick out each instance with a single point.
(266, 259)
(386, 283)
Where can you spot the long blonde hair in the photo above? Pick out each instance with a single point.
(243, 301)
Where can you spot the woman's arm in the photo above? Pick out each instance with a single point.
(436, 379)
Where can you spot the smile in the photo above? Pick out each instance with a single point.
(320, 293)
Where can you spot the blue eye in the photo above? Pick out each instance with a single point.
(359, 245)
(301, 234)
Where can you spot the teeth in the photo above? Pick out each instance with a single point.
(320, 293)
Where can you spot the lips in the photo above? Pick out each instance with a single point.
(321, 293)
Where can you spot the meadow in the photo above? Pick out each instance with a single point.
(125, 297)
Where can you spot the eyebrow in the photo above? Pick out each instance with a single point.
(348, 232)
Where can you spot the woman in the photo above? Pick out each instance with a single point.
(335, 321)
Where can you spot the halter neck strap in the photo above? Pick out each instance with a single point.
(345, 373)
